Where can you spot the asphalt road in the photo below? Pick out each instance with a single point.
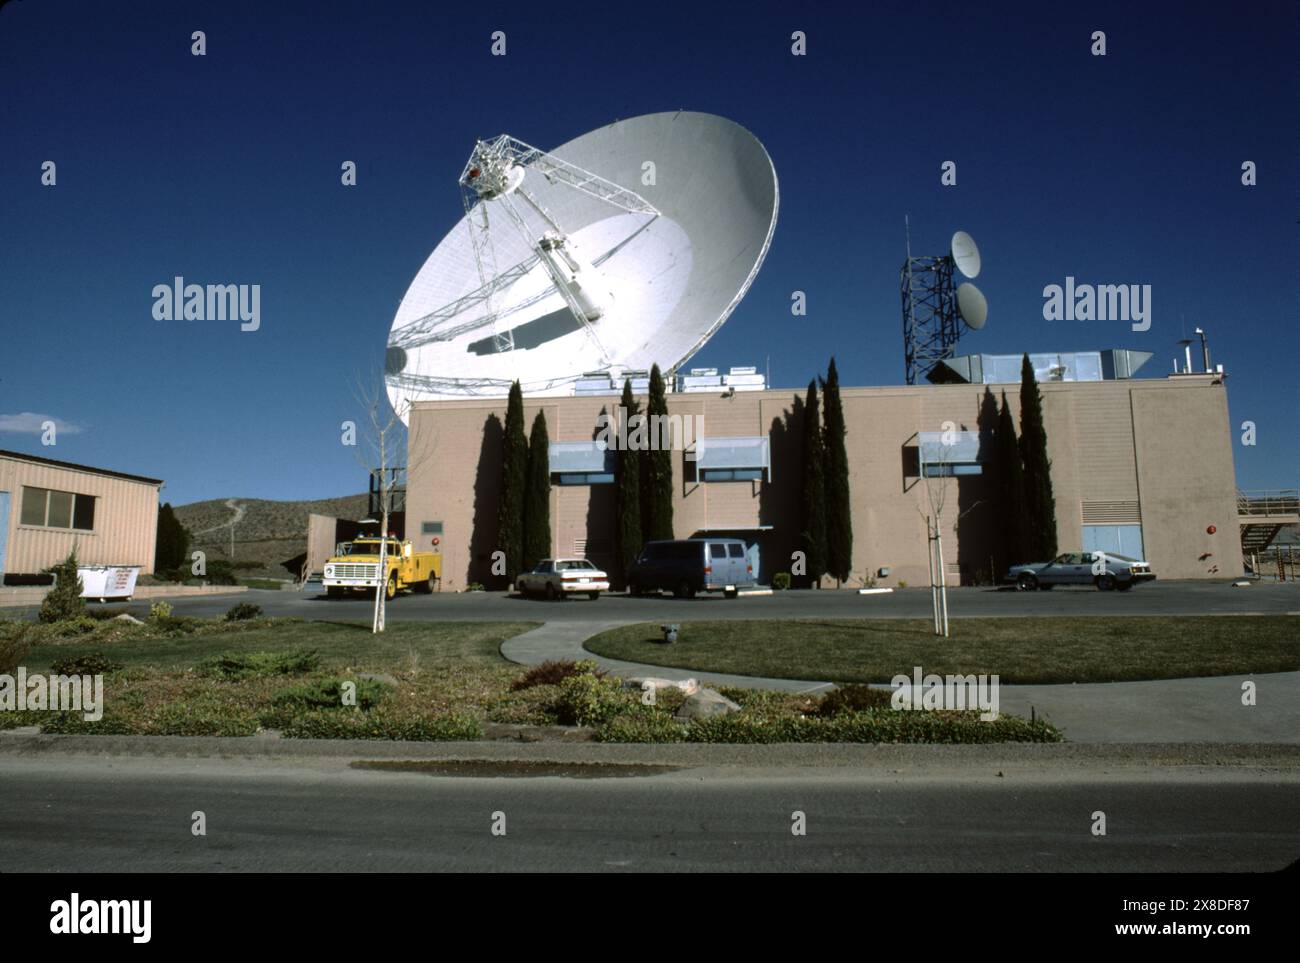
(1159, 598)
(91, 814)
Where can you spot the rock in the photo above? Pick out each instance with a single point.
(383, 677)
(704, 704)
(127, 617)
(642, 682)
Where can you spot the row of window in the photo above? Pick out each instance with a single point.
(45, 508)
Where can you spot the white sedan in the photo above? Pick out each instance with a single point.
(559, 577)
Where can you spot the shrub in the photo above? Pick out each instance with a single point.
(641, 724)
(555, 671)
(64, 600)
(173, 625)
(853, 698)
(781, 581)
(81, 625)
(244, 611)
(94, 663)
(586, 700)
(14, 647)
(220, 572)
(160, 610)
(251, 665)
(328, 694)
(534, 706)
(876, 725)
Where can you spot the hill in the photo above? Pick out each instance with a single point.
(266, 532)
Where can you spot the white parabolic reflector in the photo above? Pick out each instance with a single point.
(966, 255)
(626, 247)
(972, 306)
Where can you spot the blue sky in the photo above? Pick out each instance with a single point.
(225, 169)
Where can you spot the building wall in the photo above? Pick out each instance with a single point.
(126, 519)
(1159, 446)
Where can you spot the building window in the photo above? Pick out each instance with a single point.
(730, 474)
(952, 454)
(581, 463)
(582, 478)
(746, 458)
(44, 508)
(1123, 540)
(950, 470)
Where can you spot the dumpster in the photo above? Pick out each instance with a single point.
(106, 582)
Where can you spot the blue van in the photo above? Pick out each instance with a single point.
(690, 565)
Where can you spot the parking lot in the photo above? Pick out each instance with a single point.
(1158, 598)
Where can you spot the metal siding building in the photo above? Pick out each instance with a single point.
(110, 518)
(1134, 462)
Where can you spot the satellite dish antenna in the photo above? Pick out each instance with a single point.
(966, 255)
(569, 262)
(972, 306)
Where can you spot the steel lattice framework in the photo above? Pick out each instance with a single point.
(494, 171)
(931, 325)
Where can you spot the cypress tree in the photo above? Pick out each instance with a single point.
(812, 516)
(1040, 503)
(657, 516)
(839, 517)
(172, 542)
(627, 496)
(537, 495)
(1014, 543)
(514, 470)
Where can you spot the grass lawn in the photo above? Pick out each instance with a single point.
(1018, 650)
(182, 676)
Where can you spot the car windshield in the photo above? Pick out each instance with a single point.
(574, 565)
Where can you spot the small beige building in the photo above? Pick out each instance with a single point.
(1140, 466)
(48, 508)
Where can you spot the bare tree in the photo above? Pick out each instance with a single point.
(936, 490)
(384, 439)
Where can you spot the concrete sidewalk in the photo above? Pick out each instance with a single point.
(1200, 710)
(563, 640)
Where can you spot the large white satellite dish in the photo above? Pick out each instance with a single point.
(626, 247)
(965, 254)
(972, 305)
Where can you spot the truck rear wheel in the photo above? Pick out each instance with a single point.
(428, 586)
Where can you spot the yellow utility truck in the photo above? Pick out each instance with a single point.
(356, 567)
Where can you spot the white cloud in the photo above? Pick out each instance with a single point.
(30, 423)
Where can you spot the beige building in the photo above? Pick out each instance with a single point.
(48, 508)
(1141, 467)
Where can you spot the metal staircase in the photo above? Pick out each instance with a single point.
(1261, 515)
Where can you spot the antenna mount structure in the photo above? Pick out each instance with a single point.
(936, 311)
